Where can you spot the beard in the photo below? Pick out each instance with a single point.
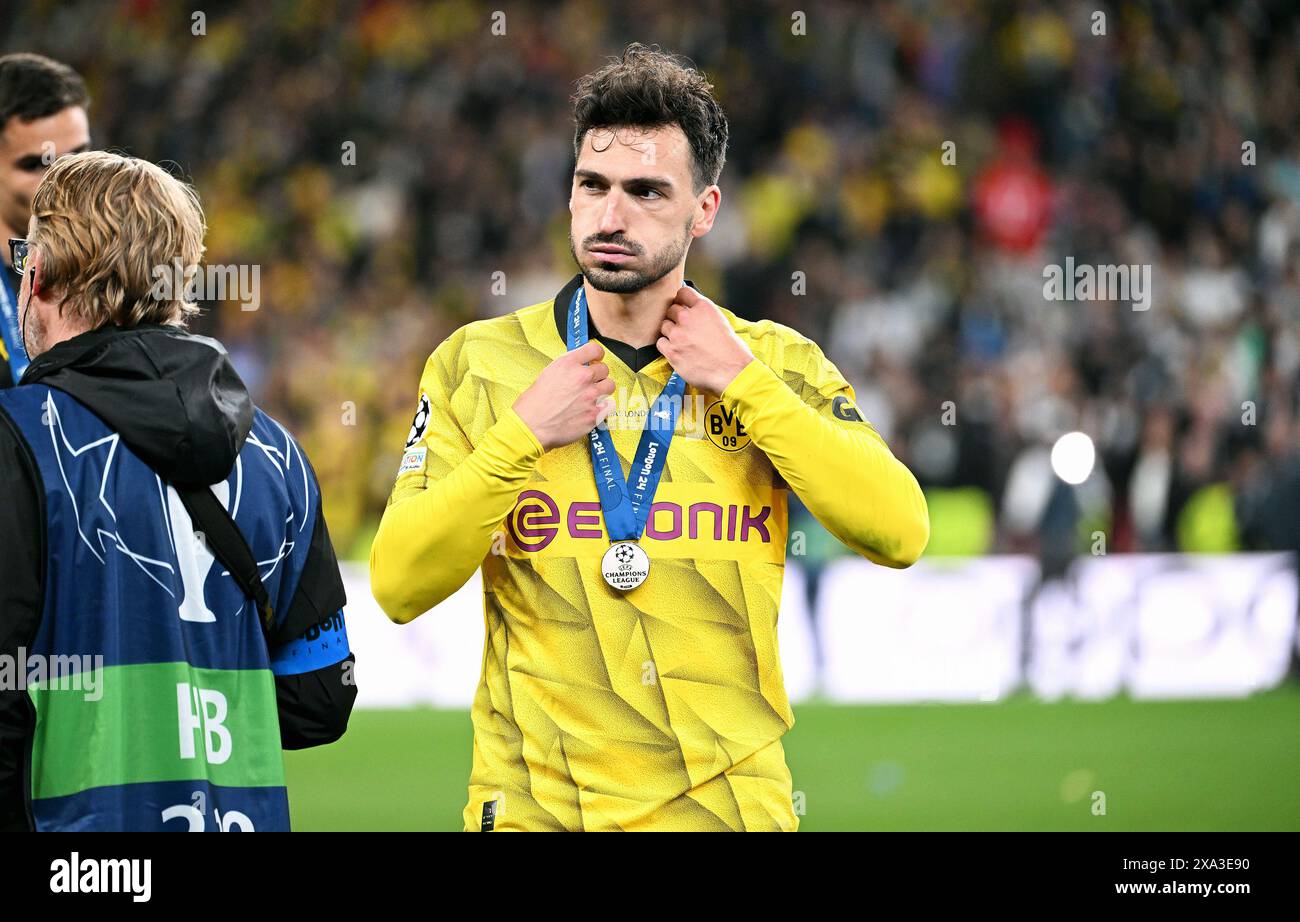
(626, 279)
(33, 331)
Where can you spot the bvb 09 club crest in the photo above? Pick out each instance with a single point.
(723, 428)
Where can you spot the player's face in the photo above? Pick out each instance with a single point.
(26, 151)
(634, 212)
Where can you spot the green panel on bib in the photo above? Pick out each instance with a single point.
(156, 722)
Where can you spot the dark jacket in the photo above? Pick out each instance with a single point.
(180, 406)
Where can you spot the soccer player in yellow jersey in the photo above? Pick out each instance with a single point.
(661, 706)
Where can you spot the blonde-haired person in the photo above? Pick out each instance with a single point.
(108, 228)
(160, 532)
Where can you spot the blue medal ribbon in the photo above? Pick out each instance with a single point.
(9, 328)
(626, 503)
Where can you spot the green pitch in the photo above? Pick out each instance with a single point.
(1021, 764)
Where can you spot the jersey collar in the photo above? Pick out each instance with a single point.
(634, 358)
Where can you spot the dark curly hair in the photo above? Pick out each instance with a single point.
(648, 88)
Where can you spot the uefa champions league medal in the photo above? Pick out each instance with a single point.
(626, 503)
(625, 565)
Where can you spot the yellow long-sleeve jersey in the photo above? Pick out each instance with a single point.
(662, 707)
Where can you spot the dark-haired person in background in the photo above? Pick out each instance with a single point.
(42, 117)
(632, 685)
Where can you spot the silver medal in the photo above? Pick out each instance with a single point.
(625, 565)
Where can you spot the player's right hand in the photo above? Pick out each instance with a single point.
(569, 398)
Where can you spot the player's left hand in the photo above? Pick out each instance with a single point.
(700, 344)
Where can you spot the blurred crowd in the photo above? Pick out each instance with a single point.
(899, 175)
